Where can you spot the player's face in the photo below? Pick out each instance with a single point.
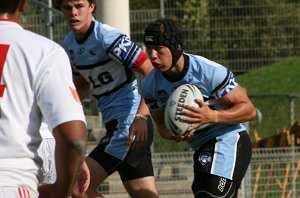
(78, 14)
(160, 56)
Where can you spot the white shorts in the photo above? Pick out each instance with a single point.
(46, 152)
(16, 192)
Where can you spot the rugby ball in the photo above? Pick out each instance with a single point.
(182, 95)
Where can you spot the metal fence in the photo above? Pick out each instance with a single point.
(242, 35)
(273, 173)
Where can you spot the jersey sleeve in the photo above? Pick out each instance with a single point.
(125, 51)
(56, 93)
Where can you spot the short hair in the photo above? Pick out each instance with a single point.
(9, 6)
(90, 2)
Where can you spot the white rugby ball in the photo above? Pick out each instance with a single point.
(182, 95)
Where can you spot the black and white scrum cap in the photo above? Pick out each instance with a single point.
(167, 33)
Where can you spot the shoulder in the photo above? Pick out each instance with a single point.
(106, 32)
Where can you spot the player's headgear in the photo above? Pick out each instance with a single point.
(167, 33)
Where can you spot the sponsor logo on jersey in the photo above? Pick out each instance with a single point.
(228, 86)
(81, 50)
(205, 158)
(122, 48)
(222, 184)
(92, 52)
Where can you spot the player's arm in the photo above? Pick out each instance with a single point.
(82, 86)
(240, 110)
(71, 139)
(138, 130)
(144, 66)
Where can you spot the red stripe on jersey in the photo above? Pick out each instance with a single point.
(3, 53)
(75, 94)
(23, 193)
(140, 60)
(20, 192)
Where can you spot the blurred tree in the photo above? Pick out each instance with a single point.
(144, 4)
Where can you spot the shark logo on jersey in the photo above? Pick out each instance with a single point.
(205, 158)
(163, 96)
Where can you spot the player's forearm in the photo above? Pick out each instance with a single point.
(236, 114)
(68, 163)
(143, 108)
(70, 150)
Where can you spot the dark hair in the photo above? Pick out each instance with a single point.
(165, 32)
(9, 6)
(90, 2)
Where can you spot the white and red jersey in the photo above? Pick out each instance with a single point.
(35, 82)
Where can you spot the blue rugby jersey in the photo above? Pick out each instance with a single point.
(105, 58)
(214, 82)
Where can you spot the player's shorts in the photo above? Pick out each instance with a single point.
(221, 164)
(46, 152)
(16, 192)
(114, 153)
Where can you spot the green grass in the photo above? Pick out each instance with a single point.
(278, 78)
(273, 79)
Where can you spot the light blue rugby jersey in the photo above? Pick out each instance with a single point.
(105, 58)
(213, 80)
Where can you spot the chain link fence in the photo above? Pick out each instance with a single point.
(242, 35)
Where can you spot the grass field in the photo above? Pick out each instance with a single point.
(279, 78)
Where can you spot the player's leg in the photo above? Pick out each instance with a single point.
(142, 188)
(97, 176)
(137, 171)
(108, 155)
(220, 165)
(139, 180)
(212, 186)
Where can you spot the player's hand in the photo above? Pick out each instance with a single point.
(199, 116)
(138, 132)
(83, 180)
(166, 134)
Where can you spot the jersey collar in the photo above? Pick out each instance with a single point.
(5, 19)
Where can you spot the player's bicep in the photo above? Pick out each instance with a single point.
(235, 96)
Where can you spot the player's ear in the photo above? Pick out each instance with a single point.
(22, 5)
(93, 7)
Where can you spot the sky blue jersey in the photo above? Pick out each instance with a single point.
(214, 82)
(105, 58)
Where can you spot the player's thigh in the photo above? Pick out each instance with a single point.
(97, 174)
(212, 186)
(143, 187)
(138, 178)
